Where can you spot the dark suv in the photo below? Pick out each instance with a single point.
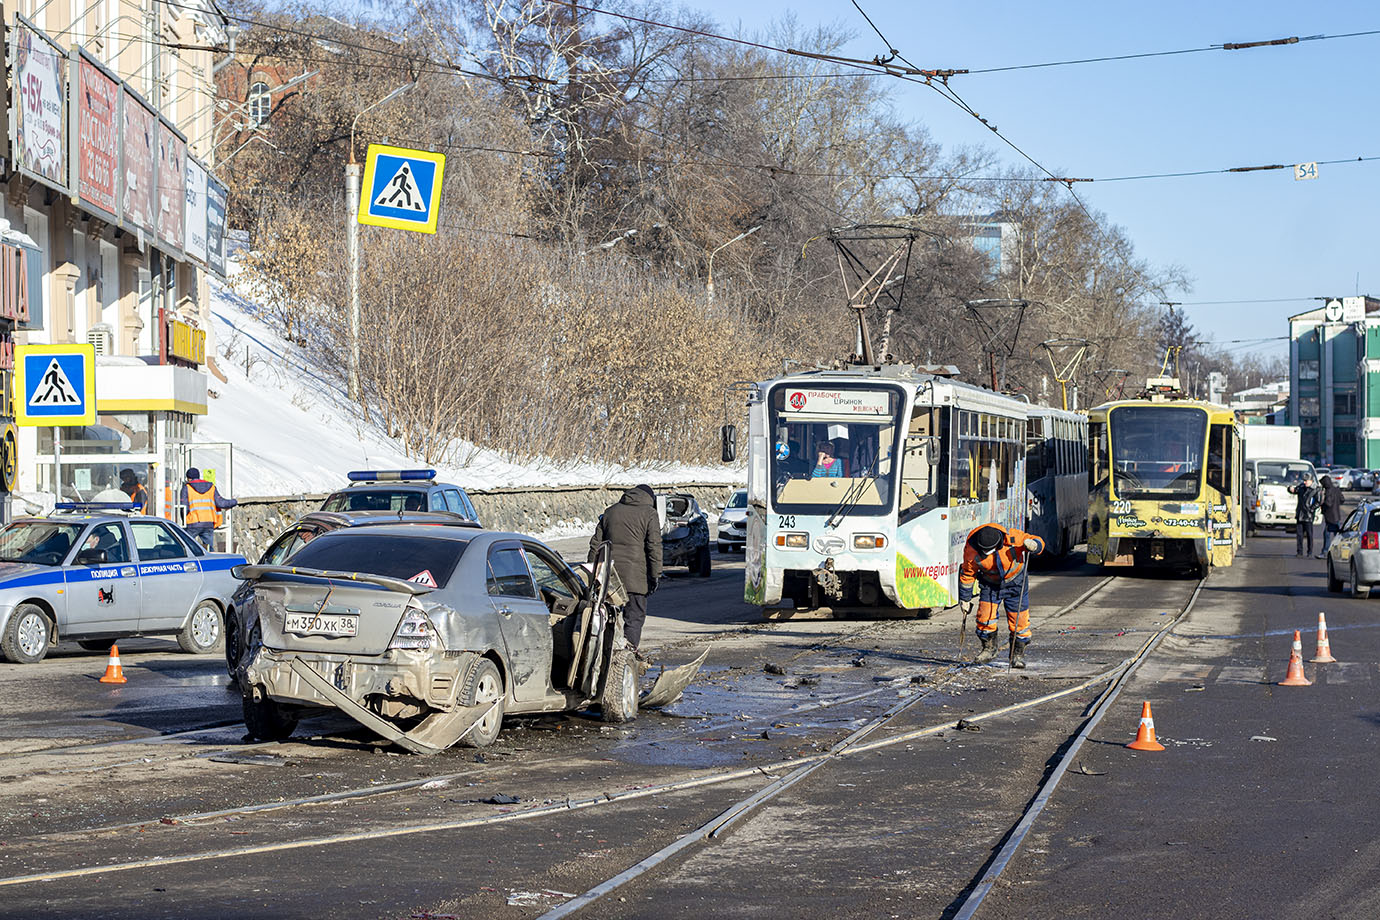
(400, 490)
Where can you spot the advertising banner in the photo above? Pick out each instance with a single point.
(39, 106)
(98, 137)
(171, 198)
(195, 209)
(138, 161)
(215, 225)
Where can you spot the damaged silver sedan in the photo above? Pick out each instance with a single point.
(430, 635)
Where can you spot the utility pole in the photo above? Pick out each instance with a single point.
(353, 171)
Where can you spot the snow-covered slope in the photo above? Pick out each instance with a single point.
(294, 430)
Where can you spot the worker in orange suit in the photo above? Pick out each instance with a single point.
(994, 559)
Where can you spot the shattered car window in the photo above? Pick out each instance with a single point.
(394, 556)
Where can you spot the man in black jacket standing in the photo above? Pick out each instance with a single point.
(632, 526)
(1331, 500)
(1308, 495)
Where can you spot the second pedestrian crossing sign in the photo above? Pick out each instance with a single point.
(56, 385)
(402, 188)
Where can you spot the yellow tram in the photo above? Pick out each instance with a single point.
(1164, 481)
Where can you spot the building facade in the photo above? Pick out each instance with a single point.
(113, 221)
(1334, 381)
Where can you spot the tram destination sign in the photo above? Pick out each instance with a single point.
(838, 402)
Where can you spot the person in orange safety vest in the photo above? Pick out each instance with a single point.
(204, 506)
(994, 560)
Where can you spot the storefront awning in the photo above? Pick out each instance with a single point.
(139, 387)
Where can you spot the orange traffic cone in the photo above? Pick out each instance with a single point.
(114, 674)
(1324, 655)
(1145, 736)
(1295, 676)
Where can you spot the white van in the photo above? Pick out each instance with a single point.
(1273, 503)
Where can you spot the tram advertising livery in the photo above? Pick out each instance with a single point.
(864, 483)
(1165, 481)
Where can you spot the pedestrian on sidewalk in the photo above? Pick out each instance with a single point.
(631, 524)
(204, 506)
(994, 559)
(1307, 505)
(1331, 501)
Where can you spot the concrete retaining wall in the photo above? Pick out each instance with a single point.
(257, 521)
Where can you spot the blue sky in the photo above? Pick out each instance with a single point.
(1254, 236)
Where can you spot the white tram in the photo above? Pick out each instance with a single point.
(1056, 473)
(863, 485)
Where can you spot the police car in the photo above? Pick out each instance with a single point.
(400, 490)
(93, 574)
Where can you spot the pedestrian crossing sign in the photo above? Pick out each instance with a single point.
(56, 385)
(402, 188)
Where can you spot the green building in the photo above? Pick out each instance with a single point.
(1334, 382)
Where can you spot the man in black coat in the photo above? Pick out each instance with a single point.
(1308, 495)
(632, 526)
(1331, 500)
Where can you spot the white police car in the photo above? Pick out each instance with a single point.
(400, 490)
(93, 574)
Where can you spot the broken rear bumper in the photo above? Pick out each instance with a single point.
(414, 675)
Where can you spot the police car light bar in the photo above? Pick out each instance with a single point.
(95, 506)
(389, 475)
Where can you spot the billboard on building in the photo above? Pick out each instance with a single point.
(138, 162)
(196, 212)
(98, 137)
(38, 103)
(215, 225)
(171, 198)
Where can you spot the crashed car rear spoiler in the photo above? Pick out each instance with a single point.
(252, 572)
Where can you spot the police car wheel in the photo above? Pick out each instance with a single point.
(203, 632)
(27, 635)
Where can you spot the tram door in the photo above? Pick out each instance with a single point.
(216, 461)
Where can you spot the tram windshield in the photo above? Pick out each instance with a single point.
(1282, 472)
(833, 445)
(1157, 451)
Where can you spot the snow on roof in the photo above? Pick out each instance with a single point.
(294, 429)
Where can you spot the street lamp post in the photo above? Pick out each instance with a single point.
(709, 279)
(353, 170)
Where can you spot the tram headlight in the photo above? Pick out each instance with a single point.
(869, 541)
(793, 540)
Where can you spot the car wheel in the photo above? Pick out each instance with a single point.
(232, 644)
(484, 688)
(1354, 586)
(619, 700)
(27, 636)
(265, 720)
(725, 547)
(1334, 584)
(703, 563)
(96, 645)
(204, 631)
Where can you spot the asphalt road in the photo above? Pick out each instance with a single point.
(143, 801)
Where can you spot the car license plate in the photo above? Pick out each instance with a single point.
(313, 624)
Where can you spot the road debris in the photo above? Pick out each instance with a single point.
(1263, 738)
(1083, 769)
(261, 760)
(535, 898)
(966, 725)
(502, 799)
(772, 667)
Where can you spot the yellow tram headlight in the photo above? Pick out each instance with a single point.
(793, 540)
(869, 541)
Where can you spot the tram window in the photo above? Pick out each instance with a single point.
(1035, 451)
(1219, 460)
(1097, 454)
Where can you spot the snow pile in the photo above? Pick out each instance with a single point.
(294, 430)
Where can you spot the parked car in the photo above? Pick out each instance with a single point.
(1344, 477)
(400, 490)
(1355, 552)
(312, 525)
(684, 533)
(97, 576)
(1363, 480)
(430, 635)
(733, 522)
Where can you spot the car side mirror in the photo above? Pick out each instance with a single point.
(728, 435)
(91, 557)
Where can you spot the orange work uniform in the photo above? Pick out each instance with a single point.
(1000, 580)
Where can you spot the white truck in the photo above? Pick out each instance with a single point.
(1271, 455)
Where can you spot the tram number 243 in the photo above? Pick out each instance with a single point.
(785, 520)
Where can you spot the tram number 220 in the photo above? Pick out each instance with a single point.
(785, 520)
